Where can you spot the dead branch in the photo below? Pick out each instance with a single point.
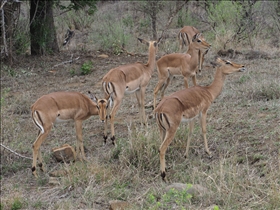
(15, 152)
(70, 61)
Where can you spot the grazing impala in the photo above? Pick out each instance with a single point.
(187, 104)
(185, 36)
(129, 78)
(179, 64)
(63, 106)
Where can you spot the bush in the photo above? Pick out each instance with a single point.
(86, 68)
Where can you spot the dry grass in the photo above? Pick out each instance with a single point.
(243, 135)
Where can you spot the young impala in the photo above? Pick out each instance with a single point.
(179, 64)
(63, 106)
(187, 104)
(130, 78)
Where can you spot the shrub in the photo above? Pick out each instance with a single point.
(86, 68)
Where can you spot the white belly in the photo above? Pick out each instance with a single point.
(59, 120)
(129, 91)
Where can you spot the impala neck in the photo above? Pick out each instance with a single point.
(152, 58)
(92, 108)
(194, 55)
(217, 85)
(193, 51)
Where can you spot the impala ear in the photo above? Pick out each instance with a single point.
(92, 97)
(196, 36)
(218, 62)
(143, 41)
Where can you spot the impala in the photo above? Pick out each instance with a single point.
(187, 104)
(179, 64)
(185, 36)
(63, 106)
(130, 78)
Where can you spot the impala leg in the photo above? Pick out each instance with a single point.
(117, 103)
(191, 125)
(105, 129)
(158, 87)
(169, 79)
(140, 95)
(194, 80)
(40, 160)
(36, 151)
(203, 128)
(169, 136)
(80, 145)
(200, 61)
(186, 82)
(180, 44)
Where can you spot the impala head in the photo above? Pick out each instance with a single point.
(151, 43)
(229, 67)
(200, 42)
(102, 105)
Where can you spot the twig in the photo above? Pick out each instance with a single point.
(70, 61)
(171, 16)
(16, 152)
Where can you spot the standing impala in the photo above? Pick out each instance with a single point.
(129, 78)
(63, 106)
(185, 36)
(179, 64)
(187, 104)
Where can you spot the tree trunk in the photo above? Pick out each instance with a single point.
(154, 18)
(9, 17)
(42, 30)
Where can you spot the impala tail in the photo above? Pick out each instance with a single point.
(162, 121)
(109, 88)
(38, 121)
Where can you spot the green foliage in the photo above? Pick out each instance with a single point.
(224, 17)
(186, 18)
(9, 70)
(173, 197)
(76, 5)
(86, 68)
(78, 19)
(128, 21)
(72, 72)
(17, 204)
(216, 208)
(21, 37)
(112, 35)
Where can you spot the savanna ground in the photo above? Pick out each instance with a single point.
(243, 131)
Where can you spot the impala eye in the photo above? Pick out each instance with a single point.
(199, 40)
(228, 62)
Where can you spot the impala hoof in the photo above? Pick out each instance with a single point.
(105, 139)
(163, 176)
(113, 140)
